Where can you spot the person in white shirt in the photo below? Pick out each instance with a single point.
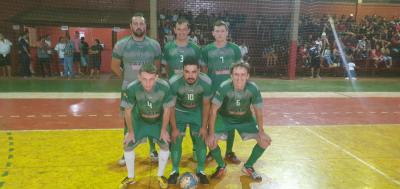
(350, 72)
(244, 51)
(5, 62)
(59, 48)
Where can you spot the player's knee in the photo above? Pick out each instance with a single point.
(164, 147)
(212, 146)
(264, 143)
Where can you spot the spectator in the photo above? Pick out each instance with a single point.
(5, 61)
(84, 49)
(69, 55)
(96, 50)
(44, 57)
(59, 48)
(244, 51)
(24, 55)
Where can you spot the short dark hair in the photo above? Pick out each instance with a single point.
(221, 23)
(138, 14)
(182, 20)
(148, 68)
(241, 64)
(191, 61)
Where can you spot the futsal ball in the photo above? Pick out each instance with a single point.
(188, 181)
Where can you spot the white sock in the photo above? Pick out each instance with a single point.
(130, 163)
(162, 161)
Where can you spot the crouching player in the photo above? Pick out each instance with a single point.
(147, 113)
(231, 109)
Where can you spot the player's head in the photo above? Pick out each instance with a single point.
(182, 29)
(148, 76)
(240, 73)
(138, 25)
(220, 31)
(191, 70)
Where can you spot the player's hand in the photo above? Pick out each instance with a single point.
(165, 136)
(264, 137)
(174, 134)
(203, 133)
(129, 137)
(211, 139)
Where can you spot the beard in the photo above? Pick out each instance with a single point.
(191, 80)
(138, 33)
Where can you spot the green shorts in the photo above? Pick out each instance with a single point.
(144, 130)
(188, 118)
(247, 129)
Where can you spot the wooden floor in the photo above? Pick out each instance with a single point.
(69, 146)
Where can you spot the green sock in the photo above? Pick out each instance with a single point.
(229, 141)
(201, 151)
(176, 153)
(255, 154)
(216, 153)
(193, 140)
(152, 145)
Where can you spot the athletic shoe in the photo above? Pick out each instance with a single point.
(203, 178)
(209, 157)
(219, 172)
(163, 182)
(249, 171)
(232, 158)
(154, 156)
(126, 182)
(173, 177)
(194, 155)
(121, 161)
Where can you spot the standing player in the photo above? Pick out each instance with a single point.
(219, 56)
(231, 107)
(147, 111)
(134, 51)
(176, 52)
(192, 92)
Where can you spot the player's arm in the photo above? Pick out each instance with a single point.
(115, 67)
(130, 136)
(211, 125)
(205, 115)
(172, 121)
(166, 116)
(157, 63)
(260, 121)
(259, 117)
(166, 70)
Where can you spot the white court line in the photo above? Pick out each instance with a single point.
(354, 156)
(298, 125)
(117, 95)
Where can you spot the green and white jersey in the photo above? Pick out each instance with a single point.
(188, 97)
(149, 105)
(135, 53)
(219, 61)
(174, 55)
(234, 106)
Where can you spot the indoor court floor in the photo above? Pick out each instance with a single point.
(331, 140)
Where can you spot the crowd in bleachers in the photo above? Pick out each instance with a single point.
(372, 42)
